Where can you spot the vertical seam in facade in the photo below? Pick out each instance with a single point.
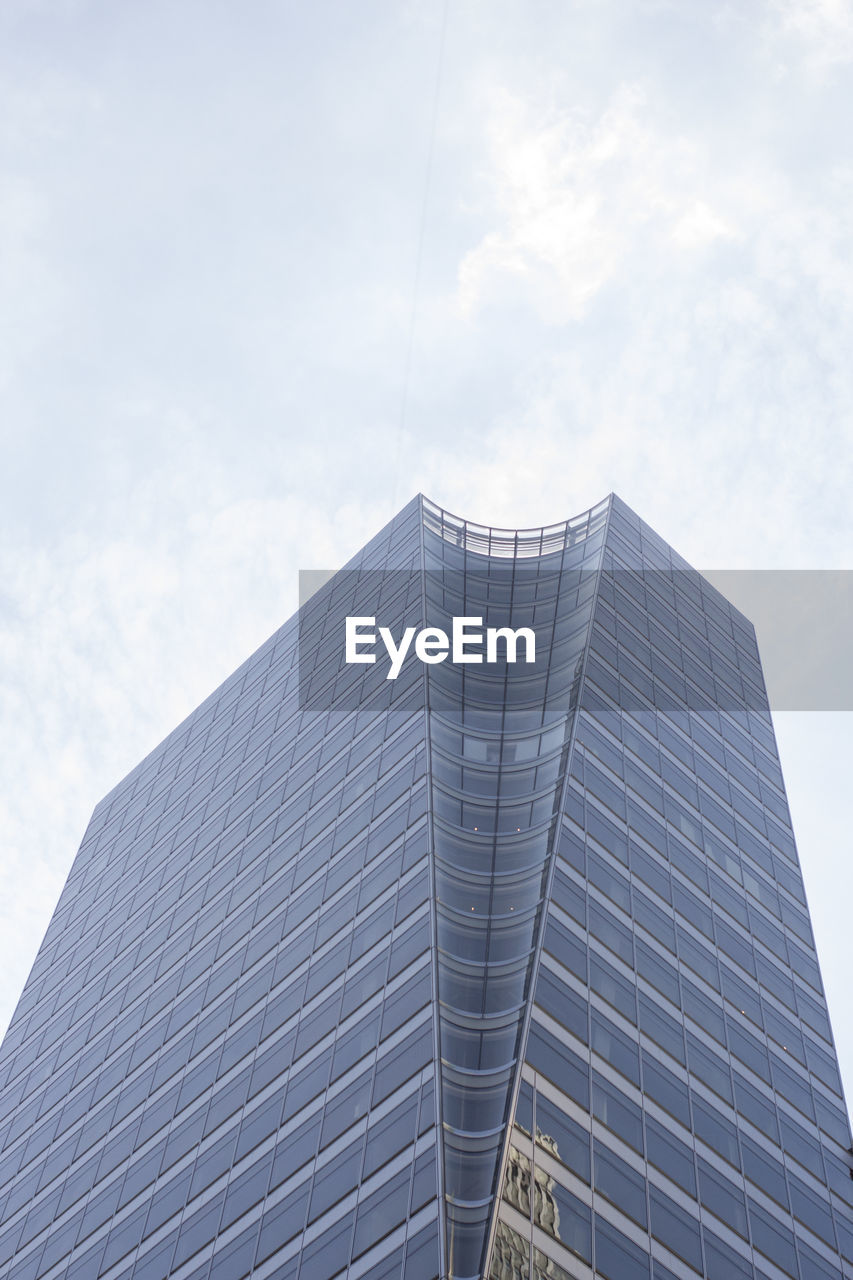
(439, 1127)
(551, 860)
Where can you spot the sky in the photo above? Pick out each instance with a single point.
(268, 270)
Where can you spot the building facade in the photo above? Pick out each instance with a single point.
(493, 970)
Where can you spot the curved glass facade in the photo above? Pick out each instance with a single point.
(499, 739)
(496, 970)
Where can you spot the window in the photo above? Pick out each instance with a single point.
(614, 1046)
(670, 1155)
(666, 1089)
(617, 1112)
(562, 1138)
(675, 1229)
(722, 1198)
(620, 1184)
(617, 1257)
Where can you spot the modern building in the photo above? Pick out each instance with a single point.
(492, 969)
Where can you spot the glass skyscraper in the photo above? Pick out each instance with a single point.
(493, 970)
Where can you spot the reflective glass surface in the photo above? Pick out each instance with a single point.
(222, 1064)
(678, 1019)
(494, 969)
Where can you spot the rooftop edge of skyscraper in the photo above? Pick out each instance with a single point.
(522, 543)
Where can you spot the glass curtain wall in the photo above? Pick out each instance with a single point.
(681, 1111)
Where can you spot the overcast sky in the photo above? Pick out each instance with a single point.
(268, 269)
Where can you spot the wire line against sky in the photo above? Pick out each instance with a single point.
(407, 363)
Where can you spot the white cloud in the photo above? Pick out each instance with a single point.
(106, 644)
(579, 197)
(818, 31)
(636, 275)
(699, 313)
(30, 296)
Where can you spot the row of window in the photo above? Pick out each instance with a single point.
(685, 1047)
(781, 1025)
(257, 1175)
(603, 915)
(654, 873)
(129, 1027)
(231, 896)
(241, 1040)
(568, 1142)
(553, 1208)
(155, 1036)
(687, 1106)
(142, 895)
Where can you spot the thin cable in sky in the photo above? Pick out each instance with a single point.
(407, 366)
